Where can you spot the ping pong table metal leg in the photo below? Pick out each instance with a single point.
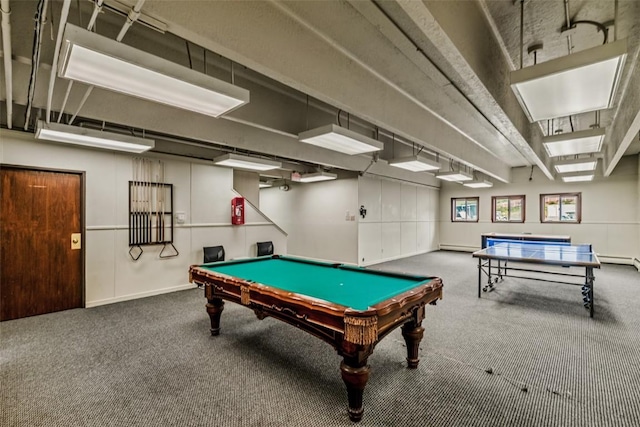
(590, 279)
(587, 290)
(479, 276)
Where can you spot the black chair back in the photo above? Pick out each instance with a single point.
(213, 253)
(265, 248)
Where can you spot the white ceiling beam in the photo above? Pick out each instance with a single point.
(454, 29)
(626, 124)
(273, 40)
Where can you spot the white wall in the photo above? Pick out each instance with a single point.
(401, 220)
(609, 211)
(202, 191)
(323, 221)
(314, 215)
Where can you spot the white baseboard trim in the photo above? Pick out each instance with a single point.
(457, 248)
(129, 297)
(636, 264)
(393, 258)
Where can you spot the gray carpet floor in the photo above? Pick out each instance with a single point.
(526, 354)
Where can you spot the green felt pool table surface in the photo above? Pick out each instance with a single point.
(353, 287)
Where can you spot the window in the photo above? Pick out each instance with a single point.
(563, 207)
(465, 210)
(507, 208)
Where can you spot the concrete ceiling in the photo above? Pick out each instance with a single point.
(414, 74)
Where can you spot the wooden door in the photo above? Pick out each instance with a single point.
(39, 271)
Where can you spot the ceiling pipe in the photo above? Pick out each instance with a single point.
(35, 65)
(96, 10)
(64, 15)
(8, 69)
(133, 16)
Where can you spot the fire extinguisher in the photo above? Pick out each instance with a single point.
(237, 211)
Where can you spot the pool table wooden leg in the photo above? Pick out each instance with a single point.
(412, 333)
(355, 374)
(214, 308)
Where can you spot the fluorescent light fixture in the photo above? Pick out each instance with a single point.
(317, 176)
(573, 84)
(415, 164)
(92, 138)
(96, 60)
(454, 176)
(245, 162)
(576, 165)
(478, 184)
(577, 178)
(568, 144)
(340, 139)
(265, 184)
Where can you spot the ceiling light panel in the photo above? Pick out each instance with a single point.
(415, 164)
(318, 176)
(576, 165)
(578, 178)
(573, 84)
(454, 176)
(568, 144)
(91, 138)
(246, 162)
(96, 60)
(478, 184)
(337, 138)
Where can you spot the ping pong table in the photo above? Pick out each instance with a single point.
(541, 253)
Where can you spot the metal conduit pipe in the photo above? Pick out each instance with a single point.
(133, 16)
(64, 15)
(96, 10)
(36, 62)
(8, 68)
(566, 13)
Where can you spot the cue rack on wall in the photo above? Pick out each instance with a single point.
(150, 209)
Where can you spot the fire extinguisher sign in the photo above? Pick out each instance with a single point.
(237, 211)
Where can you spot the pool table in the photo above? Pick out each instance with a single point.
(349, 307)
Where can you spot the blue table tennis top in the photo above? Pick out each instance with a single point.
(540, 253)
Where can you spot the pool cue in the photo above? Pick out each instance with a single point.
(139, 210)
(138, 195)
(149, 206)
(131, 196)
(135, 201)
(158, 239)
(164, 189)
(154, 198)
(147, 222)
(138, 222)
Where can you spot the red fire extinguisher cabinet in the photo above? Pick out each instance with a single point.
(237, 211)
